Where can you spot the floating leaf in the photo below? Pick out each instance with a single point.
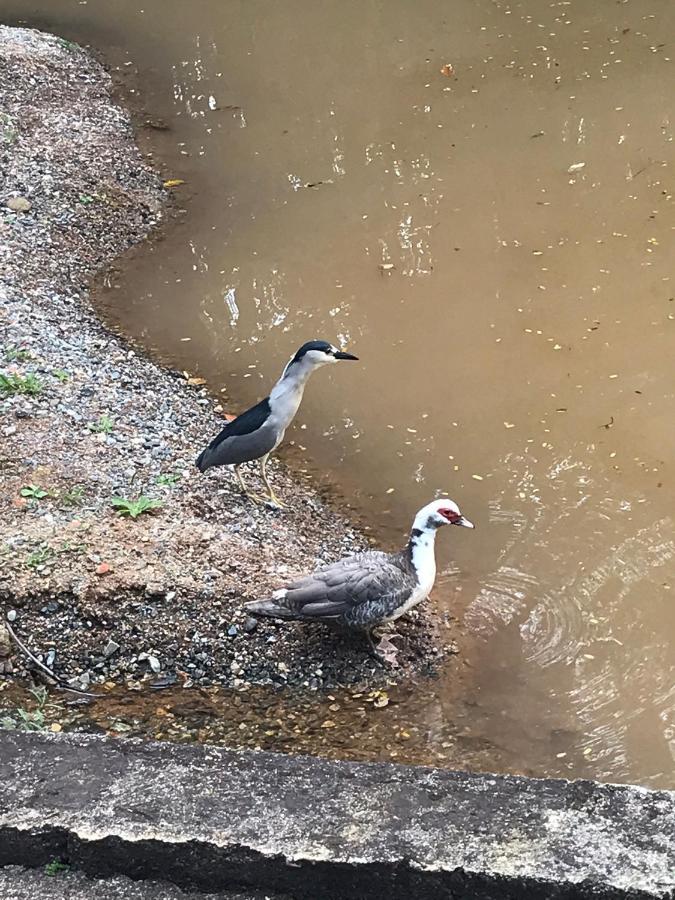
(173, 182)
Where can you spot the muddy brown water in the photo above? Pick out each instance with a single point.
(496, 245)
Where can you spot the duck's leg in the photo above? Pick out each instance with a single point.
(387, 650)
(384, 651)
(270, 490)
(253, 497)
(372, 649)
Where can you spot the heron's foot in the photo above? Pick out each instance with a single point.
(272, 499)
(254, 498)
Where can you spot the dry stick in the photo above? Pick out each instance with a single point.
(58, 682)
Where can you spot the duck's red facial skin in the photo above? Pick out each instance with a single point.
(450, 514)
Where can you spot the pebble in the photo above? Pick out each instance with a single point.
(19, 204)
(154, 664)
(11, 615)
(233, 631)
(250, 625)
(110, 648)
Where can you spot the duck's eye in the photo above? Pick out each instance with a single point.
(450, 515)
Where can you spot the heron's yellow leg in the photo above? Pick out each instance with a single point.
(251, 496)
(270, 490)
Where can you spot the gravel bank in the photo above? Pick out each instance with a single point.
(85, 418)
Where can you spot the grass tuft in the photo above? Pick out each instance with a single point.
(12, 383)
(33, 492)
(104, 425)
(135, 508)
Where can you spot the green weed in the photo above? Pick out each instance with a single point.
(40, 557)
(12, 383)
(16, 354)
(135, 508)
(69, 45)
(28, 719)
(55, 867)
(104, 425)
(8, 131)
(168, 479)
(33, 492)
(74, 496)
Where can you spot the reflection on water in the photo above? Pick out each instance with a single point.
(494, 244)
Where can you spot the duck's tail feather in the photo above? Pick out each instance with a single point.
(273, 607)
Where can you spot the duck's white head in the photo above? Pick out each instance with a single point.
(440, 512)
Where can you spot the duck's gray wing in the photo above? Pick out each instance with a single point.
(360, 590)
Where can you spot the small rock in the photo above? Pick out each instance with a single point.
(80, 682)
(19, 204)
(11, 615)
(250, 625)
(103, 568)
(110, 648)
(233, 631)
(154, 664)
(235, 668)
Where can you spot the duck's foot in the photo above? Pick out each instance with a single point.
(384, 652)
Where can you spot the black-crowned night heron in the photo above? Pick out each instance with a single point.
(258, 431)
(371, 588)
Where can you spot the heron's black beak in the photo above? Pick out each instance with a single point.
(341, 355)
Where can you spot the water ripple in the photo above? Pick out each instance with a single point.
(501, 599)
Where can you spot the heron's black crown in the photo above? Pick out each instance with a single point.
(324, 346)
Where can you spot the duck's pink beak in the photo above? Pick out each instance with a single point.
(464, 521)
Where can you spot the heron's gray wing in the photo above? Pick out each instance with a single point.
(222, 450)
(361, 589)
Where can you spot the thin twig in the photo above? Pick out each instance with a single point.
(58, 682)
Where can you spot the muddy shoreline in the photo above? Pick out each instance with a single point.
(85, 417)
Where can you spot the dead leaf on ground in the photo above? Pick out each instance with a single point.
(173, 182)
(448, 70)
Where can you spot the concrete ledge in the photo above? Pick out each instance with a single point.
(212, 820)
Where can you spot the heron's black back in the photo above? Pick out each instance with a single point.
(247, 423)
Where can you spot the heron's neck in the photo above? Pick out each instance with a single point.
(286, 394)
